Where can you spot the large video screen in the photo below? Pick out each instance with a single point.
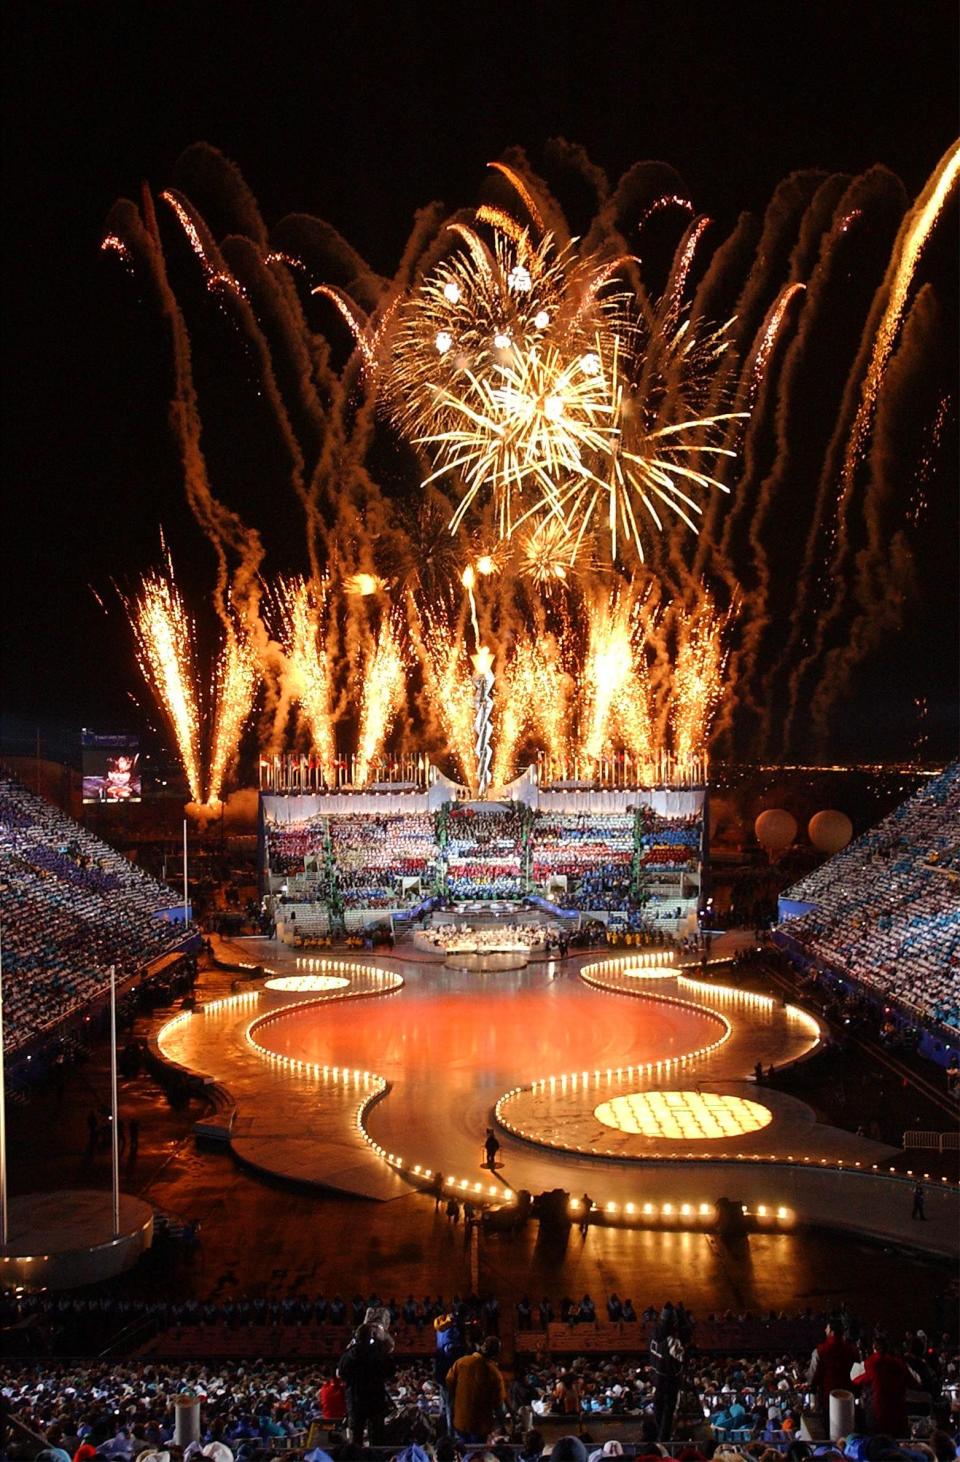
(111, 768)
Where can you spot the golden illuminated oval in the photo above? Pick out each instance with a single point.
(688, 1116)
(307, 984)
(650, 972)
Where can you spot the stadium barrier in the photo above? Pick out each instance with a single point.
(936, 1141)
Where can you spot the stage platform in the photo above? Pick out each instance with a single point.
(348, 1097)
(64, 1239)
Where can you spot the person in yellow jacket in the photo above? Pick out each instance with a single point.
(477, 1392)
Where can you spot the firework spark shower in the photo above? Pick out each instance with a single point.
(611, 445)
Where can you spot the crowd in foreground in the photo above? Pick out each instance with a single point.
(462, 1402)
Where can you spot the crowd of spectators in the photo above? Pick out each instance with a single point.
(72, 906)
(886, 910)
(578, 844)
(119, 1409)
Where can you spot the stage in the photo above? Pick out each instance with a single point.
(63, 1239)
(631, 1082)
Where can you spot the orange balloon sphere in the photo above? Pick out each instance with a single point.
(830, 831)
(775, 829)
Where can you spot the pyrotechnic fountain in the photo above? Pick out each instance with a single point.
(571, 423)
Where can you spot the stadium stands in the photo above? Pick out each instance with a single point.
(748, 1381)
(886, 911)
(72, 907)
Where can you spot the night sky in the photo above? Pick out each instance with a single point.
(359, 114)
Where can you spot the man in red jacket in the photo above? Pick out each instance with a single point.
(831, 1364)
(889, 1379)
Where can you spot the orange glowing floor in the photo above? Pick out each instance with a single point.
(375, 1088)
(502, 1030)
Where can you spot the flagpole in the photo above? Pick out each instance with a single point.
(115, 1125)
(3, 1128)
(186, 894)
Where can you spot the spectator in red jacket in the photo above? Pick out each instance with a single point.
(333, 1400)
(831, 1364)
(889, 1379)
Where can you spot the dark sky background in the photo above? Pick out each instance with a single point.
(360, 114)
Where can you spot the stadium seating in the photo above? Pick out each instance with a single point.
(595, 851)
(72, 907)
(750, 1373)
(887, 909)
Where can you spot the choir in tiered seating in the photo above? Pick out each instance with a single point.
(72, 907)
(374, 854)
(484, 857)
(377, 855)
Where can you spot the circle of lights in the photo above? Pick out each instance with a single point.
(307, 984)
(687, 1116)
(650, 972)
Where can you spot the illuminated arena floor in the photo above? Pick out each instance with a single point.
(347, 1094)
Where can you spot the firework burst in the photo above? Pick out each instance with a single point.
(533, 703)
(531, 376)
(616, 693)
(447, 683)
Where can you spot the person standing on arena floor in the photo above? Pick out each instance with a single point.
(586, 1205)
(491, 1147)
(477, 1392)
(919, 1198)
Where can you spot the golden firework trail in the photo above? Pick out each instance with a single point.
(164, 638)
(384, 691)
(448, 684)
(236, 679)
(533, 695)
(217, 278)
(768, 337)
(304, 609)
(697, 681)
(615, 689)
(910, 245)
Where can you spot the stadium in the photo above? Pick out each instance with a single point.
(480, 851)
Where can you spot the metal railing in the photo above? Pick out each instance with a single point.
(938, 1141)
